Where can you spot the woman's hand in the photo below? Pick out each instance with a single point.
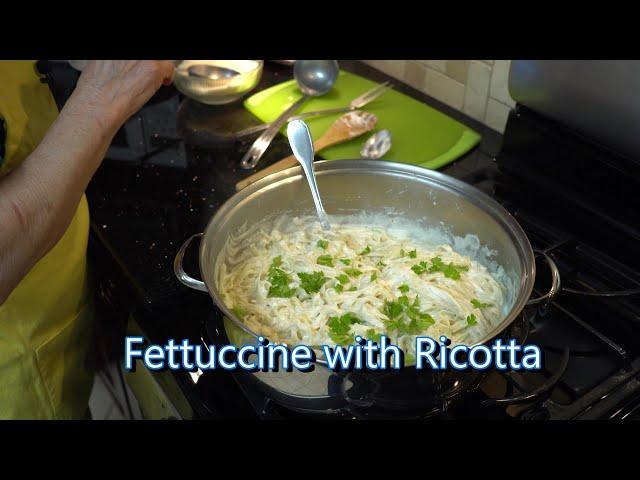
(116, 89)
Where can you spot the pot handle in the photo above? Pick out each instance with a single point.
(183, 276)
(555, 284)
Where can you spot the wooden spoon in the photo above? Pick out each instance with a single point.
(348, 126)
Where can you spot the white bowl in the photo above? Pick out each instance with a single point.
(218, 92)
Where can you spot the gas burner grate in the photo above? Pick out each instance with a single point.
(597, 289)
(596, 317)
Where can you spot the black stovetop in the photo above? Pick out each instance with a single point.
(173, 165)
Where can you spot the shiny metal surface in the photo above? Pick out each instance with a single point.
(359, 102)
(377, 145)
(260, 145)
(314, 78)
(596, 97)
(178, 269)
(302, 147)
(354, 185)
(555, 284)
(212, 72)
(374, 185)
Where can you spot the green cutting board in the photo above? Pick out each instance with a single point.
(420, 134)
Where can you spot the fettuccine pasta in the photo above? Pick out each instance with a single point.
(293, 282)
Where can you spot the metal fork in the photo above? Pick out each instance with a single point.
(357, 103)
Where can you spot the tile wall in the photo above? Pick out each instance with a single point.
(478, 88)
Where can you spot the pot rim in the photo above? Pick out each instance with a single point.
(467, 191)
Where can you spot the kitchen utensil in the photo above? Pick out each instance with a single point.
(212, 72)
(313, 78)
(302, 147)
(377, 145)
(422, 135)
(347, 127)
(357, 103)
(190, 78)
(349, 186)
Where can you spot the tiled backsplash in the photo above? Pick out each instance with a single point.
(478, 88)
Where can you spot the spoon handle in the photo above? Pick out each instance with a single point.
(318, 113)
(302, 146)
(285, 163)
(254, 154)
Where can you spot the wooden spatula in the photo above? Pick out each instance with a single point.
(348, 126)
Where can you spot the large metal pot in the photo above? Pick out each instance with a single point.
(352, 185)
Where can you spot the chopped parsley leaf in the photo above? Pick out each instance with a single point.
(401, 310)
(404, 288)
(437, 265)
(340, 327)
(312, 282)
(353, 272)
(372, 335)
(381, 264)
(279, 280)
(365, 251)
(353, 288)
(420, 268)
(342, 278)
(413, 253)
(326, 260)
(323, 244)
(339, 288)
(392, 309)
(449, 270)
(471, 320)
(374, 276)
(479, 304)
(346, 261)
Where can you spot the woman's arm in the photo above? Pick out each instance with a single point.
(39, 198)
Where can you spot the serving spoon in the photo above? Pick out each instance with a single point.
(302, 146)
(345, 128)
(377, 145)
(314, 78)
(211, 72)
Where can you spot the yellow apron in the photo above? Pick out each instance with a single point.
(45, 324)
